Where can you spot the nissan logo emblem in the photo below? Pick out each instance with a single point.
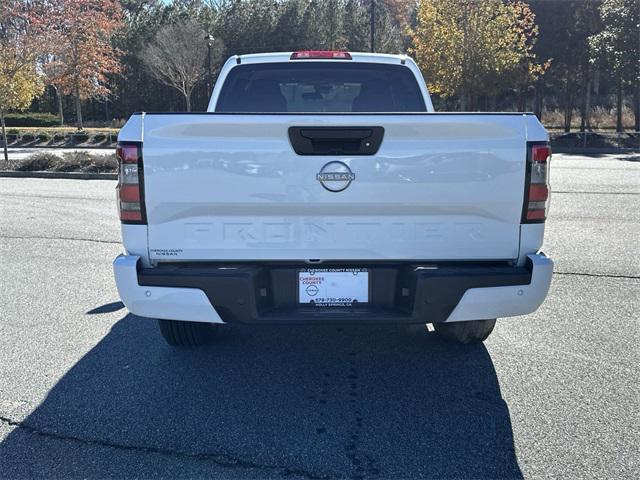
(335, 176)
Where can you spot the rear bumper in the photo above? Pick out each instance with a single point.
(168, 303)
(400, 293)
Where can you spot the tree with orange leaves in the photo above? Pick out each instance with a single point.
(22, 40)
(82, 56)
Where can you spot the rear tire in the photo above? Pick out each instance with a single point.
(186, 334)
(474, 331)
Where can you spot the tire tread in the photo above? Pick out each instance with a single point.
(185, 334)
(474, 331)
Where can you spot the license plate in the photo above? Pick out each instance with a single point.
(333, 287)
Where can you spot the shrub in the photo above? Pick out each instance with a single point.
(77, 157)
(10, 139)
(86, 162)
(79, 137)
(13, 131)
(58, 137)
(37, 161)
(64, 166)
(102, 164)
(552, 118)
(602, 118)
(608, 139)
(96, 124)
(43, 136)
(31, 119)
(99, 138)
(28, 137)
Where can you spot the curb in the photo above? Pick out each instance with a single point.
(66, 175)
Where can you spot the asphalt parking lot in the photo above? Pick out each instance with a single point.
(88, 390)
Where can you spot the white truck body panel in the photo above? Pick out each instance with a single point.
(441, 187)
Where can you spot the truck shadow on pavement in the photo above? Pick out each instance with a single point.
(271, 401)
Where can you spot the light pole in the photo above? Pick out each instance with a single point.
(209, 38)
(373, 25)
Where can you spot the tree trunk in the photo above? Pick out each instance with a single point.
(537, 101)
(4, 140)
(187, 101)
(473, 102)
(78, 109)
(567, 118)
(619, 105)
(522, 103)
(60, 110)
(568, 115)
(463, 101)
(636, 107)
(493, 105)
(588, 107)
(568, 105)
(585, 106)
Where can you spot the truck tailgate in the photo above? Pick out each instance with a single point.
(231, 187)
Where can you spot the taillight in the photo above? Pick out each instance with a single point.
(536, 196)
(130, 183)
(320, 54)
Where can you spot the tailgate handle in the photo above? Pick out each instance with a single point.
(336, 140)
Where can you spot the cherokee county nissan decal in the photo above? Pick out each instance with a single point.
(335, 176)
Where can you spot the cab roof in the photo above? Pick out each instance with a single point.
(287, 56)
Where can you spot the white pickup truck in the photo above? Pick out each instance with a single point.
(321, 187)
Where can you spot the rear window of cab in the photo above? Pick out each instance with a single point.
(333, 86)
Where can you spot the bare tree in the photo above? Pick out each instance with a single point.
(177, 57)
